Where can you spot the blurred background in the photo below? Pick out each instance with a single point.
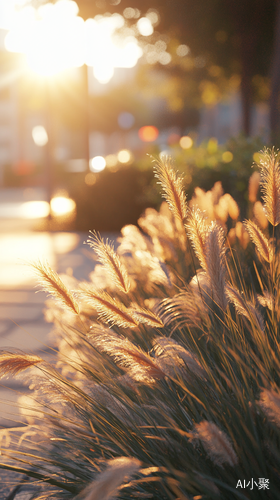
(92, 90)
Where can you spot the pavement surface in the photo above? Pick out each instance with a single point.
(22, 323)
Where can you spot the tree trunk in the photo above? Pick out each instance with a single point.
(247, 16)
(246, 87)
(274, 111)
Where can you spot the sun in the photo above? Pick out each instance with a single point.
(54, 38)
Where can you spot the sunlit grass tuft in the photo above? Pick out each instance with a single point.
(167, 379)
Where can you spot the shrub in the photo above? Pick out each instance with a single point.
(166, 383)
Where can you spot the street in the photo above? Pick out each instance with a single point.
(22, 325)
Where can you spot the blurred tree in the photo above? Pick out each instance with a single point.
(227, 38)
(275, 80)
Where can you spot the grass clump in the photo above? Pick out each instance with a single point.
(166, 382)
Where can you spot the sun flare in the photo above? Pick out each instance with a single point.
(54, 38)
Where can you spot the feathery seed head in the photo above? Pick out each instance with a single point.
(110, 309)
(242, 234)
(262, 244)
(254, 183)
(244, 307)
(197, 230)
(216, 443)
(260, 215)
(107, 483)
(51, 283)
(111, 261)
(266, 300)
(270, 404)
(145, 316)
(172, 186)
(12, 363)
(269, 165)
(167, 349)
(215, 265)
(140, 366)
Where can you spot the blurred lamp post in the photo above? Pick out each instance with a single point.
(54, 39)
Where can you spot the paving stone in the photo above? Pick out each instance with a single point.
(30, 337)
(31, 296)
(20, 311)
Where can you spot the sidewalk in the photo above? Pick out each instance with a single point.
(22, 324)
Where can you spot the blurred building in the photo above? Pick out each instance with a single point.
(76, 137)
(9, 135)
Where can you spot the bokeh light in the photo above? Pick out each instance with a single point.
(62, 206)
(97, 164)
(227, 157)
(149, 133)
(90, 179)
(39, 135)
(106, 50)
(186, 142)
(130, 13)
(145, 26)
(124, 156)
(212, 146)
(111, 161)
(35, 209)
(153, 16)
(164, 58)
(256, 157)
(182, 50)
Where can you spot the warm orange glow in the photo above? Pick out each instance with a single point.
(35, 209)
(90, 179)
(148, 133)
(24, 167)
(61, 205)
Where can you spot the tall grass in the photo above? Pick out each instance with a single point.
(166, 381)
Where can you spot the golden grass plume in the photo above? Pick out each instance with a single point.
(244, 307)
(215, 265)
(197, 230)
(216, 443)
(145, 316)
(109, 309)
(51, 283)
(270, 183)
(172, 186)
(260, 215)
(254, 184)
(139, 365)
(12, 363)
(270, 403)
(259, 239)
(168, 349)
(107, 483)
(110, 260)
